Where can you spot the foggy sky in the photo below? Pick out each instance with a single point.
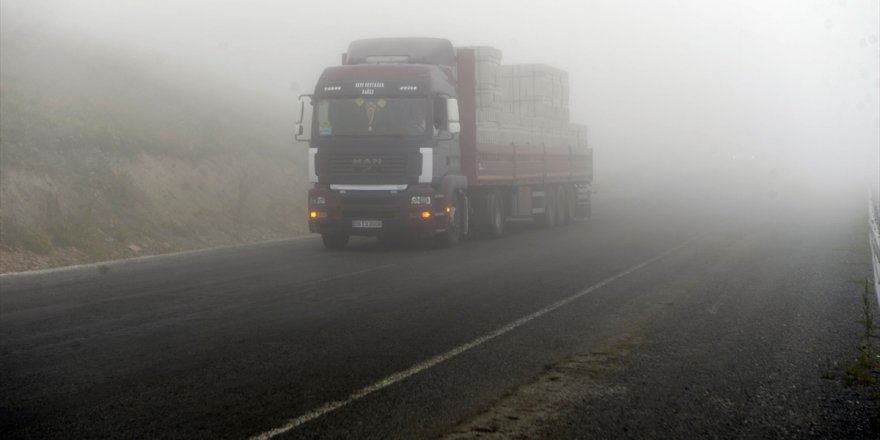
(669, 89)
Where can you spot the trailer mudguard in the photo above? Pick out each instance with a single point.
(451, 185)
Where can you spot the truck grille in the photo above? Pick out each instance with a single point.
(368, 165)
(339, 164)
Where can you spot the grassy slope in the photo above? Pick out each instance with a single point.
(101, 159)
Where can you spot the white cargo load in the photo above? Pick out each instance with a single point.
(522, 104)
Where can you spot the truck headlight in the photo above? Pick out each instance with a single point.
(319, 200)
(420, 200)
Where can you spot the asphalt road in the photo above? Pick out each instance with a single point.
(649, 320)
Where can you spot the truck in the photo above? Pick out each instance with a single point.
(414, 138)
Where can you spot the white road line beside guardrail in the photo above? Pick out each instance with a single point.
(874, 238)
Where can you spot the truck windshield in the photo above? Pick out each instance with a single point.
(360, 116)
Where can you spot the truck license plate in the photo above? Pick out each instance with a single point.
(373, 224)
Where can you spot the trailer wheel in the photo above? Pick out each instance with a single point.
(561, 206)
(497, 215)
(548, 218)
(452, 235)
(587, 208)
(334, 242)
(570, 200)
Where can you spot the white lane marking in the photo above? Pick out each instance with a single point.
(151, 257)
(418, 368)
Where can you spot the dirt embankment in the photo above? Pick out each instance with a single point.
(144, 205)
(102, 157)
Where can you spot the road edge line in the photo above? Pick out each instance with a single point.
(143, 258)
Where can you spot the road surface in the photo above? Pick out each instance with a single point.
(648, 320)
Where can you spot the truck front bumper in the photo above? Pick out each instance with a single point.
(375, 213)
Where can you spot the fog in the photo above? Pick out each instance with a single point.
(167, 268)
(749, 99)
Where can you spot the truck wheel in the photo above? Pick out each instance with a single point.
(587, 209)
(497, 215)
(452, 235)
(548, 218)
(561, 206)
(570, 197)
(334, 242)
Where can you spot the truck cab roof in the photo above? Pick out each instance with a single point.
(435, 51)
(385, 79)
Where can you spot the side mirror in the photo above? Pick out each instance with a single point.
(300, 127)
(454, 124)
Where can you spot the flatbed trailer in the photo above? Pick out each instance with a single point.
(414, 138)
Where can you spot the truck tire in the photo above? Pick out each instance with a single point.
(497, 216)
(561, 206)
(587, 209)
(583, 198)
(452, 234)
(548, 218)
(334, 242)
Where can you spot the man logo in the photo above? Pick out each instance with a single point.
(365, 164)
(366, 161)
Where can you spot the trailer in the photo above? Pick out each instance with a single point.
(414, 138)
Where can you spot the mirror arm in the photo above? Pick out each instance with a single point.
(444, 138)
(299, 125)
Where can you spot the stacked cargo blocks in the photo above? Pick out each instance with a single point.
(523, 110)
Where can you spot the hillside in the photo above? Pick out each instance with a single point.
(104, 157)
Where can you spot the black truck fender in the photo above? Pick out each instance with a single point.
(451, 186)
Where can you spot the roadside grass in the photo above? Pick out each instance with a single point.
(97, 223)
(91, 147)
(14, 234)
